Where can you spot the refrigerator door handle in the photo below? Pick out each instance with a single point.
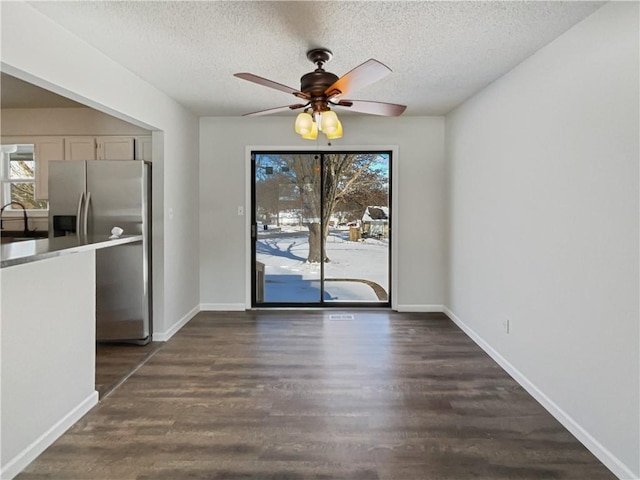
(79, 213)
(87, 203)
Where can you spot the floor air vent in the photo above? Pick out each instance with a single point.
(342, 316)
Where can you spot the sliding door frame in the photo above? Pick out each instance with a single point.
(249, 202)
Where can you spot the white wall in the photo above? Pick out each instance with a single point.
(56, 60)
(543, 201)
(64, 121)
(418, 230)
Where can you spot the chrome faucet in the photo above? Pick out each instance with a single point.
(24, 215)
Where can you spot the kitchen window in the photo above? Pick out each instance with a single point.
(18, 179)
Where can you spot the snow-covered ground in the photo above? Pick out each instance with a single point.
(289, 278)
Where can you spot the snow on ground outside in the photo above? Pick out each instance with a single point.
(289, 278)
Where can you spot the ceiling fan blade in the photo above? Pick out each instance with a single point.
(369, 72)
(373, 108)
(275, 110)
(271, 84)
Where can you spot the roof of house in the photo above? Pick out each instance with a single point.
(372, 213)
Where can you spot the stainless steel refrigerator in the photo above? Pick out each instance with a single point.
(89, 198)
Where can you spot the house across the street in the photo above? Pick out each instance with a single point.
(375, 222)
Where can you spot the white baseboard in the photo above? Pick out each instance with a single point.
(421, 308)
(29, 454)
(167, 334)
(223, 307)
(600, 451)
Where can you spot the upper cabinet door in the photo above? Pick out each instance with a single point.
(79, 148)
(115, 148)
(143, 148)
(46, 149)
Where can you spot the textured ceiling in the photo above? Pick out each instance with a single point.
(440, 52)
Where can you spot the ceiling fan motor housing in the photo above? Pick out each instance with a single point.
(315, 83)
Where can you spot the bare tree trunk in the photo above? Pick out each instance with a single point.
(316, 240)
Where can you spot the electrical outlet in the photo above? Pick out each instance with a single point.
(506, 325)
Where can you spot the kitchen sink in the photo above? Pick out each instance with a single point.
(11, 236)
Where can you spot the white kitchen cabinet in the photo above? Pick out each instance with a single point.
(115, 148)
(80, 148)
(99, 148)
(45, 150)
(143, 148)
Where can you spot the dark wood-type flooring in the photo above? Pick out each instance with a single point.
(297, 395)
(116, 361)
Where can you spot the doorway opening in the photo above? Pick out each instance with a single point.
(321, 229)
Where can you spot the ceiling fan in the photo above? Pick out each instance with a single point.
(321, 90)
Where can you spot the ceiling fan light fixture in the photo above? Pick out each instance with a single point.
(337, 133)
(308, 126)
(329, 122)
(304, 123)
(313, 133)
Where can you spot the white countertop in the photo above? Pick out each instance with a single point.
(26, 251)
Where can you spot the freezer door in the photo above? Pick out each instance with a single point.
(67, 184)
(118, 196)
(122, 294)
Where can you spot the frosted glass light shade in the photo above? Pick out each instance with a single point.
(304, 122)
(313, 133)
(329, 122)
(337, 133)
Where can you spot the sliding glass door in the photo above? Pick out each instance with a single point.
(321, 228)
